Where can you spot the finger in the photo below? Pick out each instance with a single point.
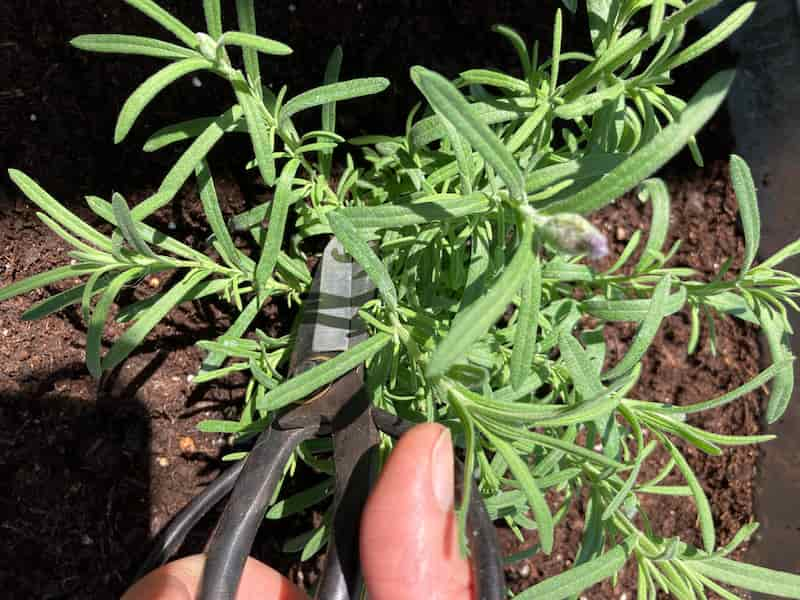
(180, 580)
(409, 533)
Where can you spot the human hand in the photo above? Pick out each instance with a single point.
(409, 536)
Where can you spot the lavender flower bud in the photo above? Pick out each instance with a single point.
(207, 46)
(573, 234)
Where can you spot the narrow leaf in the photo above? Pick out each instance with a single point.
(745, 191)
(646, 332)
(42, 279)
(277, 226)
(652, 155)
(302, 385)
(130, 44)
(476, 319)
(703, 507)
(122, 214)
(183, 169)
(246, 17)
(359, 249)
(148, 90)
(208, 197)
(449, 104)
(527, 323)
(256, 42)
(575, 580)
(94, 334)
(139, 330)
(263, 144)
(780, 350)
(436, 208)
(750, 577)
(213, 14)
(536, 500)
(166, 20)
(334, 92)
(57, 211)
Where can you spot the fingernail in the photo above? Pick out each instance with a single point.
(442, 471)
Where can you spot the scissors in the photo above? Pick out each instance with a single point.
(342, 410)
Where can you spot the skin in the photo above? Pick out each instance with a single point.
(409, 546)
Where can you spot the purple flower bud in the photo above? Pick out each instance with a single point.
(573, 234)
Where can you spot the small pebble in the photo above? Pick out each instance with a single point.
(86, 540)
(187, 445)
(525, 570)
(189, 378)
(196, 82)
(162, 461)
(292, 8)
(33, 118)
(621, 234)
(171, 226)
(154, 282)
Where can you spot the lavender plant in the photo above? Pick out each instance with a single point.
(478, 206)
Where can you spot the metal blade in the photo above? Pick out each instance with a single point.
(330, 322)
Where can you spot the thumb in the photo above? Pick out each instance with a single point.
(409, 533)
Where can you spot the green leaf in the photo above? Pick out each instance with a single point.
(213, 14)
(42, 279)
(575, 580)
(142, 96)
(527, 322)
(646, 332)
(262, 139)
(56, 302)
(332, 72)
(150, 235)
(256, 42)
(495, 79)
(301, 501)
(519, 45)
(215, 359)
(750, 577)
(126, 225)
(656, 19)
(630, 310)
(789, 250)
(591, 166)
(59, 213)
(130, 44)
(780, 350)
(246, 17)
(475, 320)
(652, 155)
(716, 36)
(178, 132)
(755, 383)
(208, 197)
(432, 128)
(134, 335)
(277, 226)
(302, 385)
(429, 209)
(655, 190)
(703, 507)
(450, 105)
(536, 500)
(333, 92)
(94, 334)
(186, 164)
(745, 191)
(590, 103)
(166, 20)
(359, 249)
(579, 366)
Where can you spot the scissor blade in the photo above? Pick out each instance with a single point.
(330, 322)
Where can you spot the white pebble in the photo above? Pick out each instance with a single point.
(33, 118)
(525, 570)
(196, 82)
(292, 8)
(189, 378)
(171, 226)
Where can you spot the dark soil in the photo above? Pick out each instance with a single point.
(92, 472)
